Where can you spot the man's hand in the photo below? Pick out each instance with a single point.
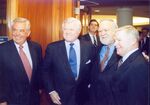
(145, 56)
(55, 97)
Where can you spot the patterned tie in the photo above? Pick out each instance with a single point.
(73, 60)
(25, 62)
(102, 64)
(120, 63)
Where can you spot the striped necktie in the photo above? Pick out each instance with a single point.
(120, 63)
(25, 62)
(102, 64)
(94, 40)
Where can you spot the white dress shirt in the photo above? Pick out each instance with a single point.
(92, 38)
(26, 51)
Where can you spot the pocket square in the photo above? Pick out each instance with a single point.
(88, 62)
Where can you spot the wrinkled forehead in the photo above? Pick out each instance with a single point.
(108, 24)
(19, 25)
(71, 26)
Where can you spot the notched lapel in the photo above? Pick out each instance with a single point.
(18, 63)
(33, 58)
(129, 60)
(64, 59)
(112, 61)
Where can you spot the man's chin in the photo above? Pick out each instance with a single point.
(104, 42)
(69, 40)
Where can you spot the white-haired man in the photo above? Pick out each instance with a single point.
(130, 81)
(19, 67)
(67, 66)
(104, 66)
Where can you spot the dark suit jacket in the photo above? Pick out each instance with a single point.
(57, 74)
(145, 47)
(100, 82)
(87, 38)
(130, 82)
(14, 84)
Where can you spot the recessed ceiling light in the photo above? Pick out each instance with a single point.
(96, 10)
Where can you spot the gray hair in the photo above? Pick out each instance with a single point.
(130, 31)
(113, 24)
(72, 20)
(22, 20)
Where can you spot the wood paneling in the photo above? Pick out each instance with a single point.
(46, 17)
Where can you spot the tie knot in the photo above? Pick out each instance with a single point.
(107, 48)
(20, 47)
(121, 61)
(71, 44)
(93, 37)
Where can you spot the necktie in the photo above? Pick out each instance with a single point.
(102, 64)
(73, 60)
(94, 41)
(25, 62)
(120, 63)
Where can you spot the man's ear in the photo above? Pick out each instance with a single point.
(29, 32)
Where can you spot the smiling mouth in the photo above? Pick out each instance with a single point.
(17, 38)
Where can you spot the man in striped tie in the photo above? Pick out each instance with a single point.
(103, 71)
(19, 67)
(130, 84)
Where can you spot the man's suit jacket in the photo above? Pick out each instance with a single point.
(130, 82)
(57, 74)
(100, 81)
(15, 85)
(87, 38)
(145, 47)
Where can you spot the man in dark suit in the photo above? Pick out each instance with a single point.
(66, 79)
(130, 81)
(144, 41)
(104, 67)
(92, 36)
(19, 81)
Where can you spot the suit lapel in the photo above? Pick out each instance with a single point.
(18, 63)
(83, 57)
(129, 60)
(112, 61)
(33, 58)
(64, 58)
(89, 38)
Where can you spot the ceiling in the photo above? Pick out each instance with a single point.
(105, 7)
(109, 7)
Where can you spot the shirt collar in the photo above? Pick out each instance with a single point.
(128, 54)
(75, 42)
(24, 44)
